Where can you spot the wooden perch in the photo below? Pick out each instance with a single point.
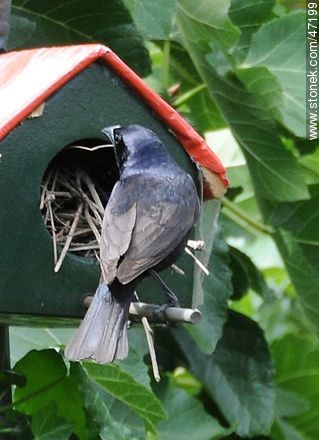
(170, 314)
(150, 311)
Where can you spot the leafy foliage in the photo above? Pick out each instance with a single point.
(297, 387)
(53, 385)
(37, 23)
(178, 403)
(136, 396)
(267, 66)
(235, 70)
(238, 375)
(47, 426)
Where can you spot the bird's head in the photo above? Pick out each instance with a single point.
(130, 140)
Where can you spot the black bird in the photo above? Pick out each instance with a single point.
(146, 224)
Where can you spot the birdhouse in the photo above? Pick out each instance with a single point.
(54, 103)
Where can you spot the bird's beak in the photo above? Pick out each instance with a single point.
(109, 132)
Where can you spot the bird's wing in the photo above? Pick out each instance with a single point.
(140, 228)
(158, 231)
(116, 232)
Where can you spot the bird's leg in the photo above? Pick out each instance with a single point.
(172, 300)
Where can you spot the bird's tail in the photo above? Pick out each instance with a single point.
(102, 335)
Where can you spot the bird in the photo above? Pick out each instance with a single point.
(147, 222)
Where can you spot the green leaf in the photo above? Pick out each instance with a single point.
(248, 15)
(46, 425)
(23, 339)
(79, 21)
(123, 415)
(310, 162)
(47, 381)
(134, 364)
(203, 112)
(183, 379)
(275, 171)
(100, 422)
(21, 31)
(187, 417)
(213, 17)
(216, 288)
(302, 262)
(300, 218)
(116, 432)
(193, 99)
(238, 375)
(183, 69)
(297, 365)
(279, 47)
(246, 275)
(113, 417)
(125, 388)
(261, 82)
(154, 19)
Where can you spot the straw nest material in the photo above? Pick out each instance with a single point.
(72, 211)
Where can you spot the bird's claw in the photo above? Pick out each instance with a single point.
(159, 312)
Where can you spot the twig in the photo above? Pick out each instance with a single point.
(92, 225)
(94, 193)
(150, 342)
(199, 263)
(81, 231)
(94, 208)
(53, 231)
(63, 194)
(44, 190)
(177, 269)
(197, 245)
(84, 248)
(69, 238)
(43, 197)
(70, 187)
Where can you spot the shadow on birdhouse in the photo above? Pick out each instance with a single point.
(52, 171)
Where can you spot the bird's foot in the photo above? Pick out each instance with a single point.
(172, 300)
(159, 312)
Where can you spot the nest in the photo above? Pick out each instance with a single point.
(72, 211)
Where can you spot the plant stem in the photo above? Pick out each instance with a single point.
(261, 227)
(166, 64)
(188, 95)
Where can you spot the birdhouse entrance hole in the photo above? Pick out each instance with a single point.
(74, 192)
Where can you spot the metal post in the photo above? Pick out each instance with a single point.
(5, 391)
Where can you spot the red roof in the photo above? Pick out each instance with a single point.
(29, 77)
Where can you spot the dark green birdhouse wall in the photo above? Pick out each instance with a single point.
(94, 99)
